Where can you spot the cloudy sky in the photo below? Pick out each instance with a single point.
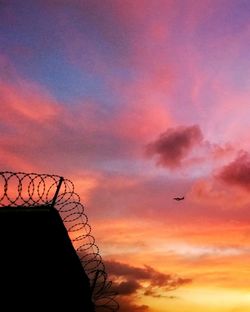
(137, 102)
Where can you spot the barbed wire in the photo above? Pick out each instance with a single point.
(33, 189)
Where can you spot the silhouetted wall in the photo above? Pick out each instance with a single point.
(39, 268)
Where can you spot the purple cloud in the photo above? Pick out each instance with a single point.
(133, 276)
(174, 145)
(238, 171)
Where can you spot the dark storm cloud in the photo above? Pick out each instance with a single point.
(174, 145)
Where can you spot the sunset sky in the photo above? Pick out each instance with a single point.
(137, 102)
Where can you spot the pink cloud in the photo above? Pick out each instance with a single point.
(221, 151)
(27, 115)
(36, 129)
(139, 122)
(216, 199)
(173, 146)
(26, 101)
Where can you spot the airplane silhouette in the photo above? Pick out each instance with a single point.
(178, 198)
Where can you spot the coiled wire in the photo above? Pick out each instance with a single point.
(31, 190)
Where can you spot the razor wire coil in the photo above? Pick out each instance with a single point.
(33, 189)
